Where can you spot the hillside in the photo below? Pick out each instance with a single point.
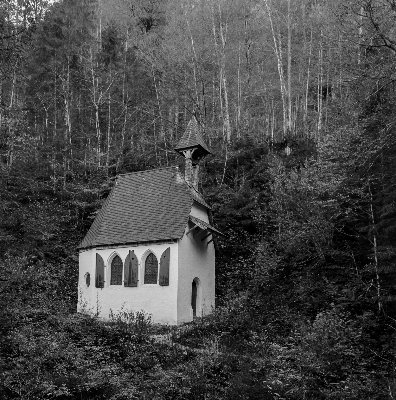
(296, 99)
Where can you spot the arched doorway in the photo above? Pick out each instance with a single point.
(195, 297)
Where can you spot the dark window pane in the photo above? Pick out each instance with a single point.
(151, 269)
(116, 271)
(87, 279)
(99, 275)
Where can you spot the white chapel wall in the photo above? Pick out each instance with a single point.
(159, 301)
(86, 265)
(199, 212)
(196, 260)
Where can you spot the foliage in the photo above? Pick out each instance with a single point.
(324, 359)
(305, 281)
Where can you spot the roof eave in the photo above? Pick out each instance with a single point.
(132, 243)
(203, 149)
(204, 225)
(202, 204)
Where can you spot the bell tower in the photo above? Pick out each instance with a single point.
(193, 148)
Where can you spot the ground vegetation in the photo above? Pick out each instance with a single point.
(295, 99)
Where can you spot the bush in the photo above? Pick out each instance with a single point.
(323, 359)
(135, 326)
(233, 326)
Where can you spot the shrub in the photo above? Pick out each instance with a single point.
(233, 325)
(323, 359)
(136, 326)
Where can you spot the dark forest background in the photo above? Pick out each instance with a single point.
(296, 99)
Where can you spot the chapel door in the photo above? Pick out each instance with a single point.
(194, 298)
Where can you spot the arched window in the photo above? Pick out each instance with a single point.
(196, 297)
(116, 271)
(151, 269)
(87, 279)
(99, 273)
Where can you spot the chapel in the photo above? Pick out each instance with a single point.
(151, 245)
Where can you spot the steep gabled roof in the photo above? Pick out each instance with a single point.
(142, 207)
(191, 138)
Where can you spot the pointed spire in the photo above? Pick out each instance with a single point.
(192, 139)
(193, 148)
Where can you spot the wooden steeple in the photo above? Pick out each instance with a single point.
(193, 148)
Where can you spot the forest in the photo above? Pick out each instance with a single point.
(296, 100)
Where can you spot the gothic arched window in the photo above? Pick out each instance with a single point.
(87, 279)
(151, 269)
(116, 271)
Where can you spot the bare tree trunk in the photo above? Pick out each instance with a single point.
(186, 116)
(55, 128)
(67, 147)
(99, 32)
(44, 137)
(283, 87)
(278, 53)
(203, 94)
(225, 163)
(295, 114)
(213, 102)
(10, 141)
(86, 149)
(375, 249)
(248, 44)
(221, 101)
(340, 77)
(239, 96)
(223, 79)
(272, 124)
(320, 88)
(108, 138)
(10, 150)
(195, 61)
(289, 86)
(95, 101)
(1, 102)
(305, 117)
(171, 113)
(328, 89)
(226, 116)
(157, 95)
(360, 34)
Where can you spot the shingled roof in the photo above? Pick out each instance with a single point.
(144, 206)
(192, 137)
